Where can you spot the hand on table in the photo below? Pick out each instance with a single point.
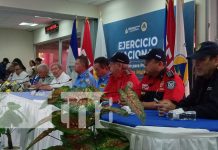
(164, 106)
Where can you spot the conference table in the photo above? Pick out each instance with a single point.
(162, 133)
(158, 133)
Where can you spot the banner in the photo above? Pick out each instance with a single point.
(137, 35)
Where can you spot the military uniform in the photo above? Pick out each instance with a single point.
(166, 86)
(203, 98)
(84, 80)
(115, 83)
(102, 82)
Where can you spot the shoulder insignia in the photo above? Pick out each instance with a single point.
(171, 85)
(170, 73)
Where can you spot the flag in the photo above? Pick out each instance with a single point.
(100, 48)
(87, 44)
(170, 34)
(180, 54)
(72, 53)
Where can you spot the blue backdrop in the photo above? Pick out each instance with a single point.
(137, 35)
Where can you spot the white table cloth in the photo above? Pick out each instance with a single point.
(166, 138)
(31, 109)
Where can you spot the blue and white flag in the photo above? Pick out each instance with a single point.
(72, 53)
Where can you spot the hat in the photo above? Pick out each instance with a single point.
(6, 60)
(155, 53)
(120, 57)
(207, 48)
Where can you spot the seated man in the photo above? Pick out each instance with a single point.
(60, 78)
(84, 78)
(42, 78)
(159, 83)
(101, 66)
(121, 76)
(203, 97)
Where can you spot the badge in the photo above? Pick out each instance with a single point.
(129, 84)
(171, 85)
(145, 87)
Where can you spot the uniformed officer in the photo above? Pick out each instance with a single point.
(101, 66)
(84, 78)
(203, 97)
(159, 83)
(121, 76)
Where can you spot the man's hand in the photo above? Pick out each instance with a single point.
(164, 106)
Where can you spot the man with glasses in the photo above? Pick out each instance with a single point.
(159, 83)
(203, 97)
(121, 76)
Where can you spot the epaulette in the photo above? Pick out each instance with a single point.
(170, 73)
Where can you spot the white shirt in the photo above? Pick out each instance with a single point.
(22, 77)
(62, 80)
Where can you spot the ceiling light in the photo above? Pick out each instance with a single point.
(28, 24)
(43, 17)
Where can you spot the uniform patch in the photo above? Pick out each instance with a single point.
(145, 87)
(130, 84)
(171, 85)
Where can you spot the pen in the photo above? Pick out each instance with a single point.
(156, 100)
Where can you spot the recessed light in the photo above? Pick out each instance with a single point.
(43, 17)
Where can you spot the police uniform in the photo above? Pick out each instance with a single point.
(102, 82)
(84, 80)
(127, 77)
(166, 86)
(203, 98)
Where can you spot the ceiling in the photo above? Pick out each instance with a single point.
(91, 2)
(12, 17)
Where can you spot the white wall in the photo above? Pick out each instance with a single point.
(122, 9)
(65, 29)
(16, 43)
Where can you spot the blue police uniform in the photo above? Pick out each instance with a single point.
(84, 80)
(102, 82)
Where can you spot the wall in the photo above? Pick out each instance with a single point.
(16, 43)
(65, 29)
(122, 9)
